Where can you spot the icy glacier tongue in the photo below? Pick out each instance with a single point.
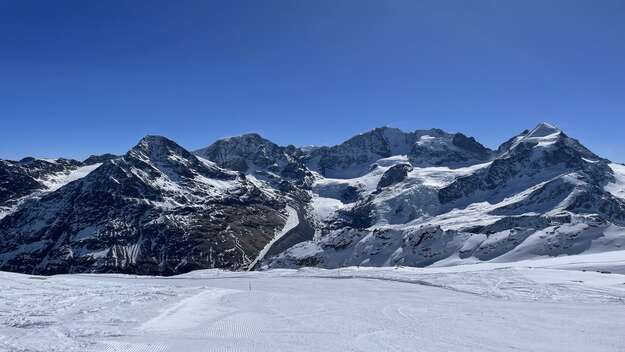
(543, 305)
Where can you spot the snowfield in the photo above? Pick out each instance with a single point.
(574, 303)
(58, 180)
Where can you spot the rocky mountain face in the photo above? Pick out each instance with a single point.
(253, 154)
(15, 181)
(20, 178)
(385, 197)
(434, 147)
(99, 159)
(157, 210)
(31, 177)
(541, 193)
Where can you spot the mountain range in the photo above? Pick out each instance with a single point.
(382, 198)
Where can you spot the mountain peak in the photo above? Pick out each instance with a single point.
(242, 152)
(543, 129)
(383, 132)
(388, 128)
(244, 136)
(251, 138)
(544, 134)
(252, 135)
(95, 159)
(154, 139)
(155, 147)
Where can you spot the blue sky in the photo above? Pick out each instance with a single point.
(83, 77)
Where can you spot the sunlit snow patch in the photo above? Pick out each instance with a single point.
(617, 188)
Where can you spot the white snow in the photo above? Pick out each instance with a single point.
(543, 129)
(546, 140)
(50, 160)
(305, 250)
(541, 305)
(330, 187)
(56, 181)
(541, 136)
(439, 177)
(324, 208)
(617, 188)
(425, 140)
(184, 315)
(419, 188)
(218, 185)
(393, 160)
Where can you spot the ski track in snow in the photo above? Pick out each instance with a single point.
(190, 312)
(535, 305)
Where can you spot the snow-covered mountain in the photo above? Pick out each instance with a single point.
(255, 155)
(384, 197)
(31, 177)
(157, 210)
(357, 155)
(541, 194)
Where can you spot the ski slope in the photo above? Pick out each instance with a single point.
(555, 304)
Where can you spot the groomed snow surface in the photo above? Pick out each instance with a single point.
(559, 304)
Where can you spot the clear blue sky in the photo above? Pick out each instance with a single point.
(82, 77)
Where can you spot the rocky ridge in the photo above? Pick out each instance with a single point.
(384, 197)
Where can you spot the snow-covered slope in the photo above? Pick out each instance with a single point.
(617, 186)
(544, 305)
(58, 180)
(543, 194)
